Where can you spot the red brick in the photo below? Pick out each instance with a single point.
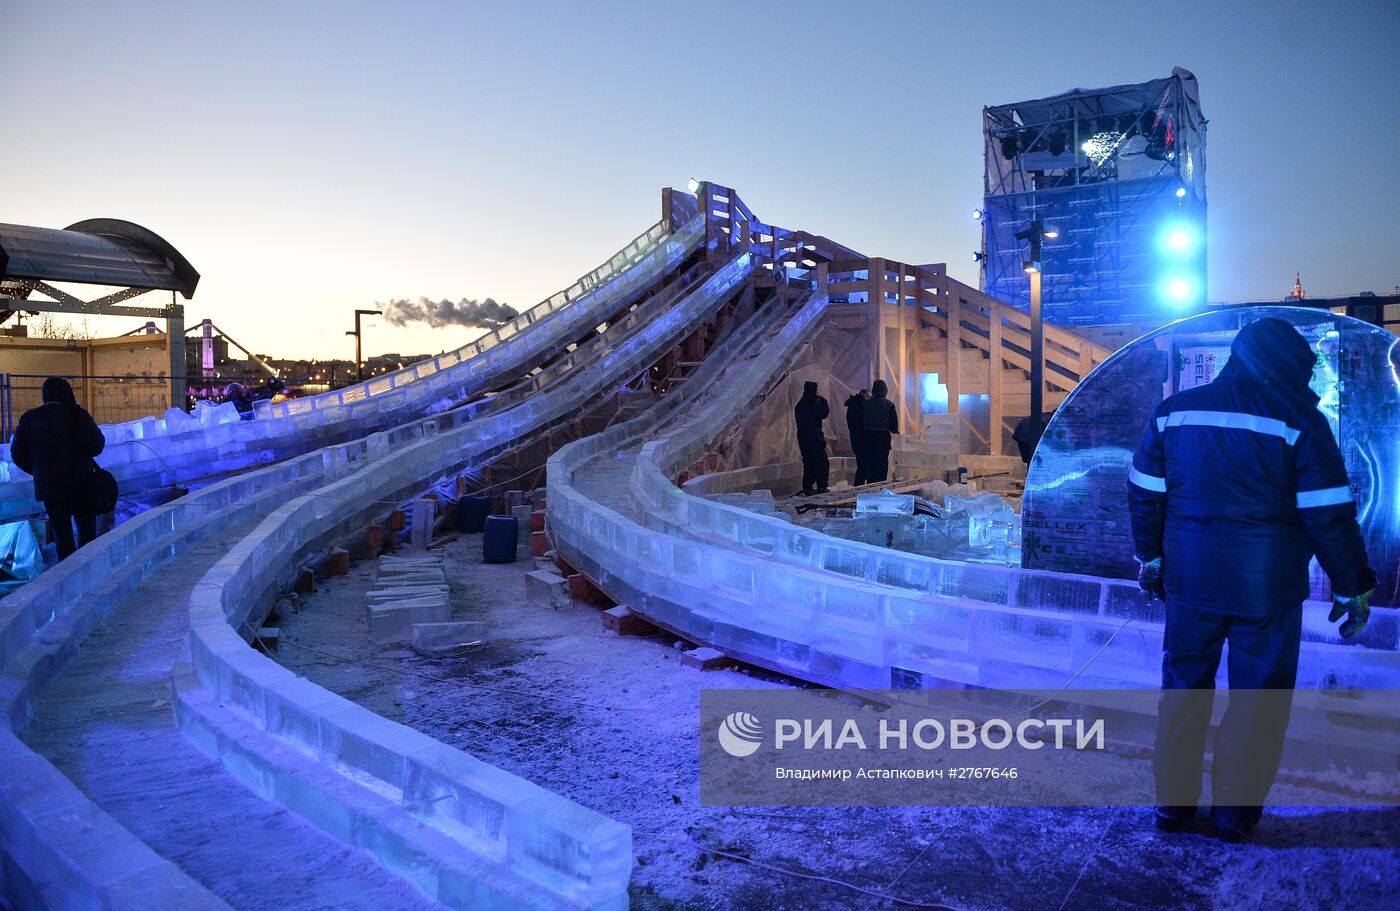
(622, 621)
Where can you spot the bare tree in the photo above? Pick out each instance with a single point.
(46, 326)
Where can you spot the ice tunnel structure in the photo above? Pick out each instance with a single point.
(646, 372)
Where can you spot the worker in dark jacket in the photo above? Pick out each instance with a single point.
(56, 443)
(855, 426)
(881, 421)
(1235, 486)
(809, 413)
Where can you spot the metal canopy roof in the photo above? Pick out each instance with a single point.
(98, 251)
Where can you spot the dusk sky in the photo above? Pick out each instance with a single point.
(311, 158)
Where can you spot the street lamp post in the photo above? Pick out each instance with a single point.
(359, 361)
(1037, 232)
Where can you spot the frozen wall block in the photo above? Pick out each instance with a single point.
(446, 639)
(404, 593)
(523, 523)
(421, 577)
(415, 561)
(393, 621)
(546, 587)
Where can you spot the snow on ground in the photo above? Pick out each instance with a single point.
(612, 723)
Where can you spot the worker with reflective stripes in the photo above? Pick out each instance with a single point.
(1236, 485)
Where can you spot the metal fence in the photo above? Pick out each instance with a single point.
(110, 399)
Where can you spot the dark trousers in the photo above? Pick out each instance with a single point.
(61, 519)
(1263, 666)
(877, 461)
(816, 467)
(858, 447)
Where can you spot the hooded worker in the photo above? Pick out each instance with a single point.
(56, 443)
(1236, 485)
(809, 413)
(855, 426)
(880, 422)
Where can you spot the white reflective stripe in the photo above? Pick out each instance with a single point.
(1330, 496)
(1233, 420)
(1147, 481)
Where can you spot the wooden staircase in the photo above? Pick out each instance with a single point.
(921, 321)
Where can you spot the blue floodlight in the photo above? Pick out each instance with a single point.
(977, 214)
(1179, 290)
(1179, 238)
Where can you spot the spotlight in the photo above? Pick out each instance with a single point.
(1178, 290)
(693, 185)
(1031, 266)
(1179, 238)
(1050, 232)
(978, 256)
(977, 214)
(1180, 192)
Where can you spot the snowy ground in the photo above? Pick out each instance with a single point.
(612, 723)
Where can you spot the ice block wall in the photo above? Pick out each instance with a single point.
(849, 614)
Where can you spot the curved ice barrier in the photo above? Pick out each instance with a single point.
(851, 614)
(465, 833)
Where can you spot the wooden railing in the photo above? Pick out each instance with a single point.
(946, 313)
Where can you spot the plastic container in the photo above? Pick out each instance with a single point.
(501, 538)
(472, 512)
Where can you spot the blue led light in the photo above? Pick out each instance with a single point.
(1179, 290)
(1179, 238)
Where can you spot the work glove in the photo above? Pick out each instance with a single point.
(1150, 579)
(1357, 610)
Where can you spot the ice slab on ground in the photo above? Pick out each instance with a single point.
(885, 503)
(448, 638)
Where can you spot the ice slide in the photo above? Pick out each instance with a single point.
(123, 813)
(849, 614)
(433, 824)
(152, 455)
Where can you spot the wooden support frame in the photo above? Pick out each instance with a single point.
(941, 325)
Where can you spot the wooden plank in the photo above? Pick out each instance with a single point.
(994, 384)
(953, 344)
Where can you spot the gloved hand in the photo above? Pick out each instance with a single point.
(1150, 579)
(1357, 610)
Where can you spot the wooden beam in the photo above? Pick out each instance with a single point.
(954, 343)
(994, 378)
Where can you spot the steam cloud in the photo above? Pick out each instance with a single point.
(484, 314)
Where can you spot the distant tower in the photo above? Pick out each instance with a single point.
(1121, 172)
(1297, 293)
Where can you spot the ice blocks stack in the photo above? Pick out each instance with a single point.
(932, 451)
(408, 591)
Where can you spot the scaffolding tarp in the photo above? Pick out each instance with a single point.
(1112, 169)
